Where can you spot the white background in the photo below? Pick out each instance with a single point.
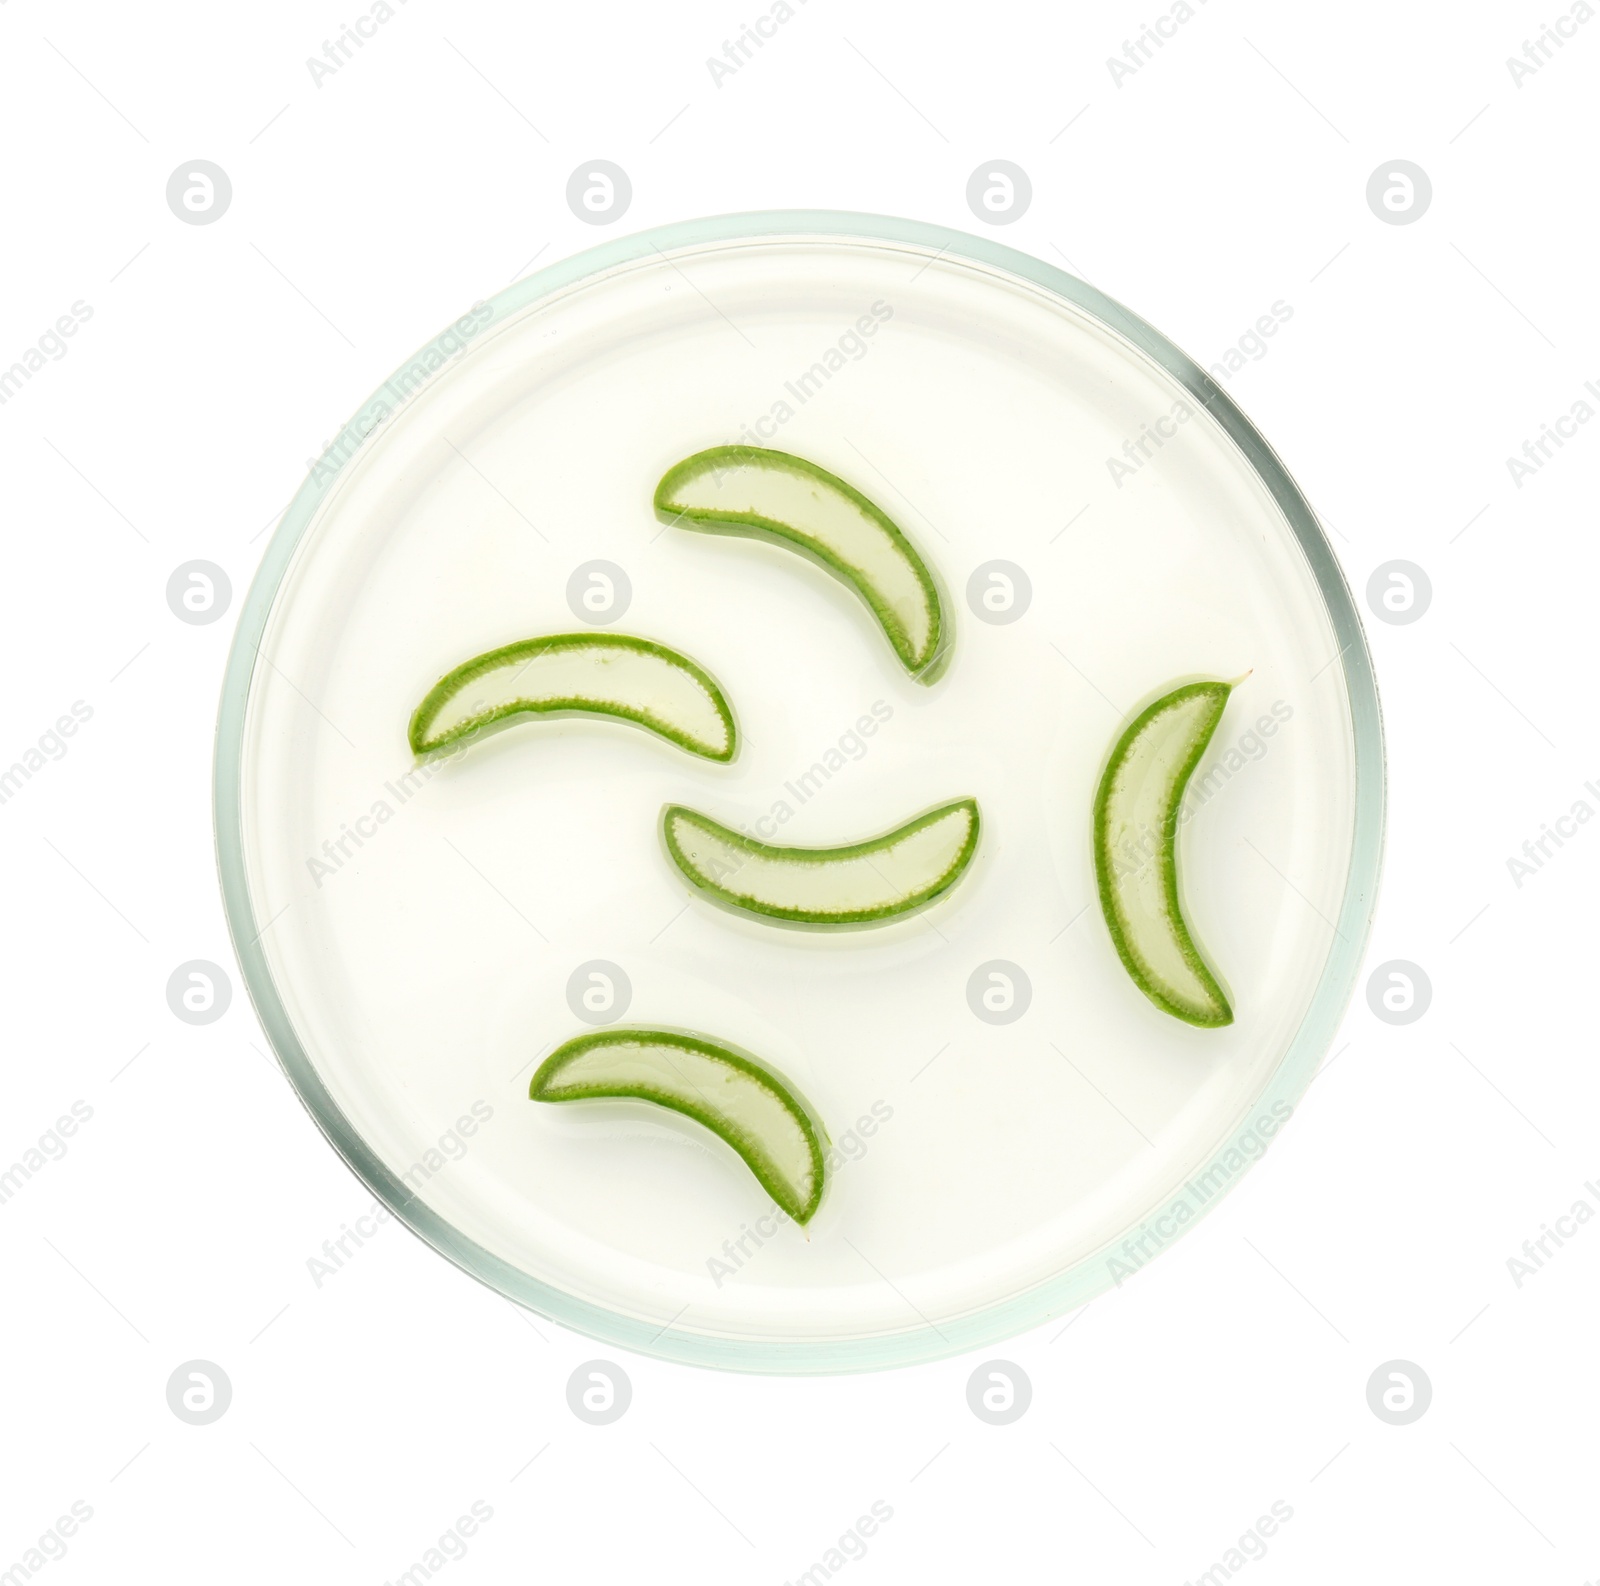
(1227, 173)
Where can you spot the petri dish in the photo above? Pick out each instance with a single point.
(1014, 1128)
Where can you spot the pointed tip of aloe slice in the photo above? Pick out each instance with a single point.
(935, 667)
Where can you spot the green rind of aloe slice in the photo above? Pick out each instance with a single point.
(516, 668)
(1142, 908)
(924, 656)
(728, 1091)
(932, 852)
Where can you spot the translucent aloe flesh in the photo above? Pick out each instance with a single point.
(732, 1094)
(860, 883)
(1135, 851)
(779, 497)
(563, 674)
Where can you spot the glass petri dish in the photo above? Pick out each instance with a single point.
(1014, 1127)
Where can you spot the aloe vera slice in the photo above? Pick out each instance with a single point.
(858, 884)
(775, 496)
(1135, 851)
(733, 1094)
(564, 674)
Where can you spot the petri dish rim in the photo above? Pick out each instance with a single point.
(1075, 1285)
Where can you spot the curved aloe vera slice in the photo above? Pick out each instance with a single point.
(1135, 851)
(567, 674)
(736, 1097)
(775, 496)
(878, 879)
